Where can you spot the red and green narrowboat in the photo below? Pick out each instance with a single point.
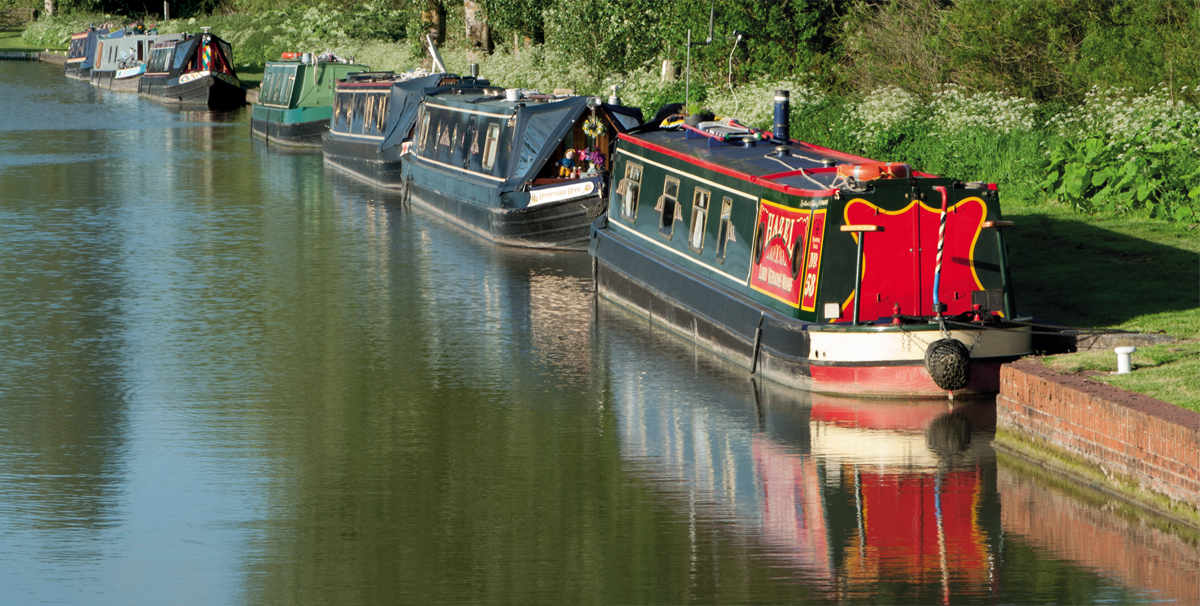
(815, 268)
(193, 72)
(295, 99)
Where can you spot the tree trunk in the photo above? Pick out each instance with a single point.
(433, 19)
(49, 7)
(478, 32)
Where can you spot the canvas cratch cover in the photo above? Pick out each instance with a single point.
(405, 101)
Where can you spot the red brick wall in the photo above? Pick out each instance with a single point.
(1147, 440)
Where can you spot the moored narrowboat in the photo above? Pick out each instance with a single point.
(373, 113)
(816, 268)
(82, 53)
(295, 99)
(121, 58)
(195, 71)
(517, 169)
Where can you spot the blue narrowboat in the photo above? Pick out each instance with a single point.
(82, 53)
(374, 113)
(521, 169)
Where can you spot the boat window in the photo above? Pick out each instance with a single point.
(668, 206)
(628, 189)
(380, 112)
(424, 129)
(699, 215)
(470, 143)
(356, 112)
(368, 112)
(340, 111)
(490, 146)
(725, 227)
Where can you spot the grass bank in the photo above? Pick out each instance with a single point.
(12, 40)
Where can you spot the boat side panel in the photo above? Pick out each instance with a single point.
(731, 226)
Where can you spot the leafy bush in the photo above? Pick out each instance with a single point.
(55, 31)
(1127, 153)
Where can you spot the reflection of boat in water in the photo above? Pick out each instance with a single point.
(488, 309)
(851, 493)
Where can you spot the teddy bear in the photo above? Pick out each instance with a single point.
(567, 164)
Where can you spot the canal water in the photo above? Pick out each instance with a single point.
(229, 375)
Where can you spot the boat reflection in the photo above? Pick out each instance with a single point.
(487, 308)
(860, 498)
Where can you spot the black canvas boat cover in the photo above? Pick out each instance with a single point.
(540, 129)
(402, 106)
(93, 40)
(183, 52)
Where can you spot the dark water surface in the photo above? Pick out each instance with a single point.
(231, 376)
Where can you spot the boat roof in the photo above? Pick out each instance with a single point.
(794, 167)
(540, 121)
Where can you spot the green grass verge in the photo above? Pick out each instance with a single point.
(11, 40)
(1113, 272)
(1169, 372)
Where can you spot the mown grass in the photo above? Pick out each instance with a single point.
(11, 40)
(1169, 372)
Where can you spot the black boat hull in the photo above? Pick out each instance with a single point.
(362, 159)
(78, 72)
(207, 92)
(301, 134)
(557, 225)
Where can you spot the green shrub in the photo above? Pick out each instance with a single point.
(1125, 153)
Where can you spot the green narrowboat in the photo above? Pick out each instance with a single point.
(295, 99)
(816, 268)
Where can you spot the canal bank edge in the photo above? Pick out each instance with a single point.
(1130, 446)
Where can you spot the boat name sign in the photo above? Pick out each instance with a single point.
(556, 193)
(185, 78)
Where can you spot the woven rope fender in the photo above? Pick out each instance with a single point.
(948, 363)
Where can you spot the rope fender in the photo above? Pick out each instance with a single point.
(948, 363)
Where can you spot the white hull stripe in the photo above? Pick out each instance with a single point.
(896, 346)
